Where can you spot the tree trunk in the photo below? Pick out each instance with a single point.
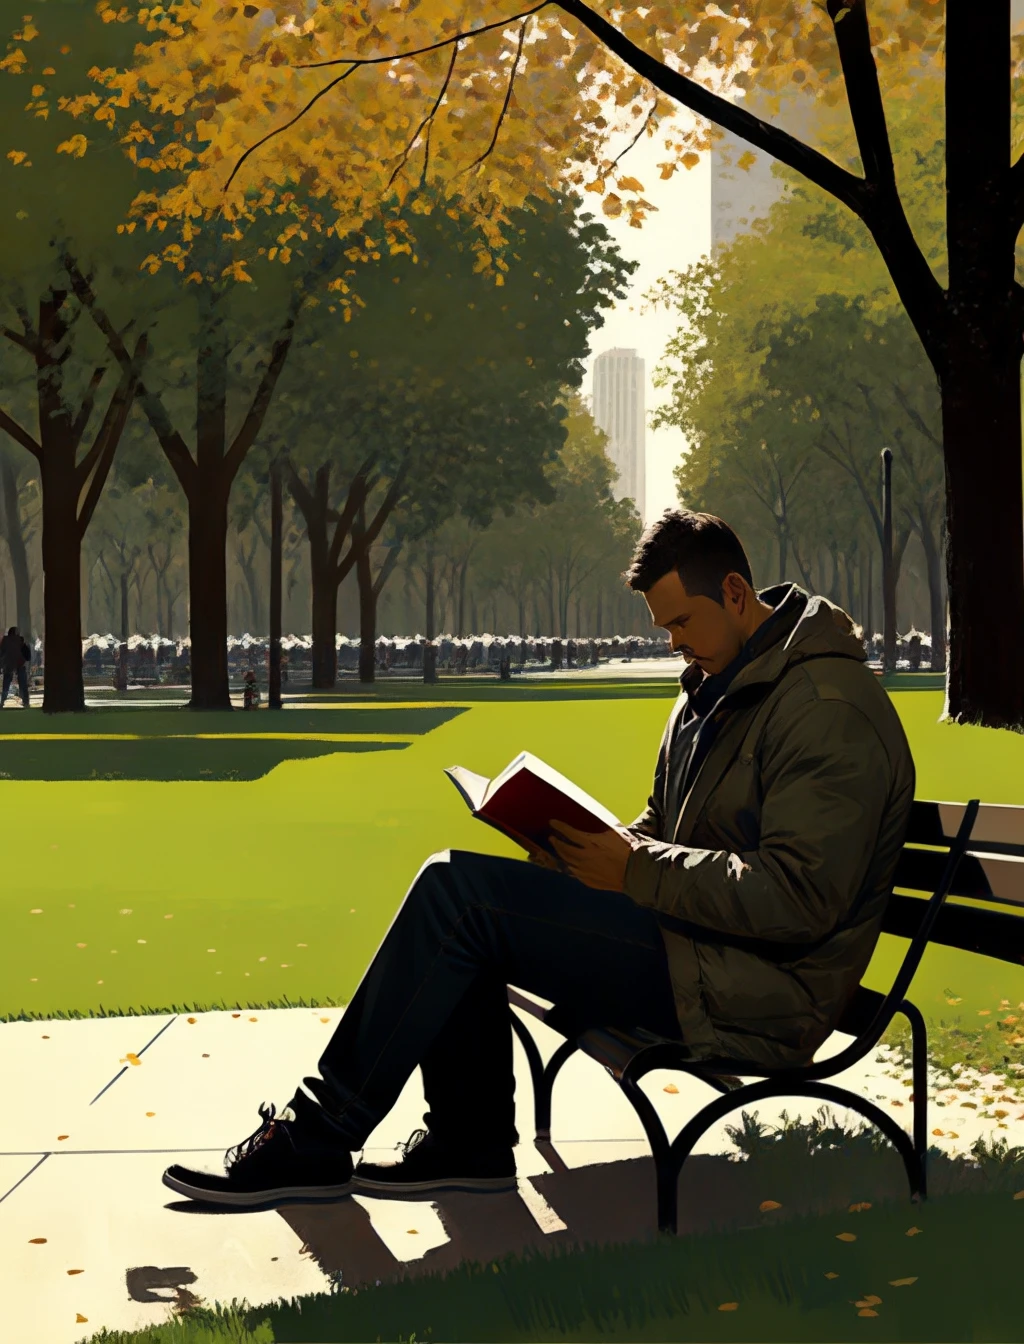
(16, 545)
(936, 595)
(325, 625)
(63, 688)
(600, 603)
(429, 652)
(981, 406)
(208, 598)
(122, 658)
(367, 617)
(461, 616)
(783, 534)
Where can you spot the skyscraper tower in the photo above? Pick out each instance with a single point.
(619, 386)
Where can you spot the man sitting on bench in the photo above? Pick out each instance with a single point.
(736, 915)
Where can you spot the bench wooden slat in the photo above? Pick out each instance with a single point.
(935, 823)
(991, 933)
(987, 877)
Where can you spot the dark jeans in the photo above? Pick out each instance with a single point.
(22, 675)
(435, 993)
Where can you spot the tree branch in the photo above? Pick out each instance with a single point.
(816, 167)
(81, 420)
(428, 118)
(20, 435)
(101, 454)
(504, 107)
(256, 414)
(384, 573)
(26, 342)
(171, 441)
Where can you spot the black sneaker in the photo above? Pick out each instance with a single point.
(428, 1166)
(279, 1162)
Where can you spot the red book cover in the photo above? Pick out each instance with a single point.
(528, 794)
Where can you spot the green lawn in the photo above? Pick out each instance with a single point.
(151, 836)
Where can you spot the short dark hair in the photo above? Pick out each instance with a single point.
(700, 547)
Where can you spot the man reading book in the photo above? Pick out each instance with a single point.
(737, 914)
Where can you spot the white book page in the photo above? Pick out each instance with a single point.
(527, 761)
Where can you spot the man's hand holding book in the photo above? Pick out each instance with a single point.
(516, 802)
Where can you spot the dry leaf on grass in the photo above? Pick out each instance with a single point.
(912, 1231)
(767, 1204)
(857, 1208)
(846, 1236)
(729, 1306)
(830, 1274)
(867, 1311)
(902, 1283)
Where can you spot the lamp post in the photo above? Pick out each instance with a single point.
(888, 569)
(274, 692)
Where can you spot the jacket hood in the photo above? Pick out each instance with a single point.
(821, 630)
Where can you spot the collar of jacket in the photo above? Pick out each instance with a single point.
(821, 629)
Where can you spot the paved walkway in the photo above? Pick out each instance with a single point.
(96, 1109)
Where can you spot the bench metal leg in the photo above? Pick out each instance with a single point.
(919, 1056)
(670, 1157)
(542, 1075)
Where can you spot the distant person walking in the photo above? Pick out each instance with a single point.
(15, 656)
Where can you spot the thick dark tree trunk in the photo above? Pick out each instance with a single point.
(325, 626)
(208, 598)
(63, 688)
(985, 553)
(16, 545)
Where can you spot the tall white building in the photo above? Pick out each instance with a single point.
(619, 386)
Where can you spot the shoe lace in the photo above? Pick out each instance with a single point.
(413, 1141)
(259, 1136)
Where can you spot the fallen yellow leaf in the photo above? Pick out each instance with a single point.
(36, 1241)
(767, 1204)
(79, 1318)
(937, 1133)
(871, 1301)
(76, 1271)
(413, 1232)
(856, 1208)
(671, 1087)
(728, 1306)
(132, 1059)
(867, 1311)
(901, 1283)
(252, 1019)
(1019, 1194)
(236, 1014)
(846, 1236)
(63, 1136)
(912, 1231)
(829, 1274)
(151, 1112)
(191, 1021)
(325, 1019)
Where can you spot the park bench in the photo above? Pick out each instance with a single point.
(971, 852)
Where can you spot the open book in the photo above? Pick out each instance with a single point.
(525, 797)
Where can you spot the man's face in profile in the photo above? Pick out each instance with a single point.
(703, 631)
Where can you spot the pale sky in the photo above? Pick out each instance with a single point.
(678, 234)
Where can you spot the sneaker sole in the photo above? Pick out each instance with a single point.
(470, 1184)
(242, 1199)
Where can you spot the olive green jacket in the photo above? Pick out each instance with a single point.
(770, 879)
